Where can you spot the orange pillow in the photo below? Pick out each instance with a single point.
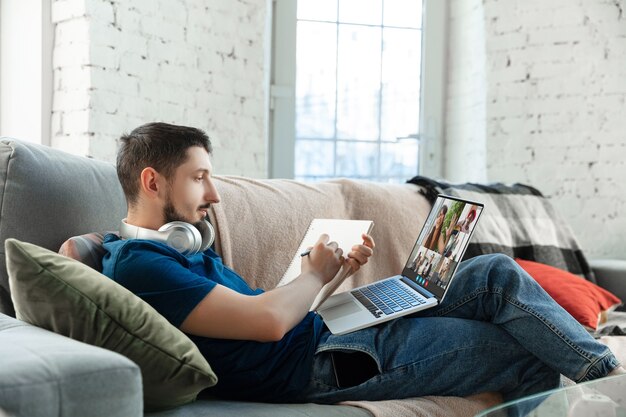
(584, 300)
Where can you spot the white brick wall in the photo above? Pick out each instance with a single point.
(555, 99)
(202, 63)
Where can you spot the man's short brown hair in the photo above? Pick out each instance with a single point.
(161, 146)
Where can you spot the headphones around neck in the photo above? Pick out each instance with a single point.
(183, 237)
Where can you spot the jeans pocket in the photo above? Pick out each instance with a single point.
(352, 367)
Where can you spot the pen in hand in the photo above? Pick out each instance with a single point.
(308, 251)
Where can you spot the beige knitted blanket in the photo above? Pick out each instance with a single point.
(260, 224)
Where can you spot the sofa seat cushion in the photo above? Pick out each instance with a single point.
(69, 298)
(219, 408)
(43, 374)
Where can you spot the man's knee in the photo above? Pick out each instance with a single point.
(498, 259)
(497, 267)
(491, 261)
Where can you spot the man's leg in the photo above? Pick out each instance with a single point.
(430, 356)
(493, 288)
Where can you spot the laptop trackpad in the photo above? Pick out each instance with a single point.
(341, 310)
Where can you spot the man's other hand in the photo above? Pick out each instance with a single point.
(360, 254)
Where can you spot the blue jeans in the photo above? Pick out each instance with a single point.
(496, 330)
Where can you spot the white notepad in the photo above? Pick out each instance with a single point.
(346, 233)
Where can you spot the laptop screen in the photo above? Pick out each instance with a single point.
(442, 243)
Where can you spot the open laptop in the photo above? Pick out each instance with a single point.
(425, 278)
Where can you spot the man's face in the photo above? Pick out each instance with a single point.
(192, 190)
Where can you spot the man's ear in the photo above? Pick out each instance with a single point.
(150, 182)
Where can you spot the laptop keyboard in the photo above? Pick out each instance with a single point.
(387, 297)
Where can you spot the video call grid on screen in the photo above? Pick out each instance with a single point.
(442, 242)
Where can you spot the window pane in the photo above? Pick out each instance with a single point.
(357, 159)
(314, 157)
(401, 83)
(399, 159)
(317, 10)
(315, 81)
(358, 84)
(405, 13)
(368, 12)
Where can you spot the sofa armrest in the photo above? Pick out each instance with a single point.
(45, 374)
(611, 275)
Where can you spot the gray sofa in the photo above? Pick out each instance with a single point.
(47, 196)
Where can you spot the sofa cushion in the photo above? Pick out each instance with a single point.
(47, 195)
(43, 374)
(585, 301)
(69, 298)
(212, 407)
(517, 221)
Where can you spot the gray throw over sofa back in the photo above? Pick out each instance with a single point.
(38, 206)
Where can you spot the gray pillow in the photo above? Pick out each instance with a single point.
(63, 295)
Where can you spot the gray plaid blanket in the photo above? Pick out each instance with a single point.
(517, 221)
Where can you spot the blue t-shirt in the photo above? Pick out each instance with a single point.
(174, 284)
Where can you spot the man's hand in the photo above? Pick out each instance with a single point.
(360, 254)
(324, 259)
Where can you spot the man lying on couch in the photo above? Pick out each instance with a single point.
(496, 329)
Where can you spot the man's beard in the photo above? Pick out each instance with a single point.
(171, 215)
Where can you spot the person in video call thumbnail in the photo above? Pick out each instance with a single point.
(465, 225)
(435, 231)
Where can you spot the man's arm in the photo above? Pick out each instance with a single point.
(227, 314)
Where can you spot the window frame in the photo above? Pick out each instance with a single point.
(281, 149)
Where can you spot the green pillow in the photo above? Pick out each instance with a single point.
(69, 298)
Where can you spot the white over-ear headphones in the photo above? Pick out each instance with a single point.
(183, 237)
